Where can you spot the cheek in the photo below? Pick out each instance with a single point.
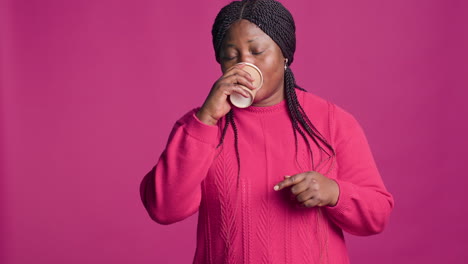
(273, 72)
(273, 80)
(225, 67)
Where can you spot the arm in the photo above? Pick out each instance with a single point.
(171, 191)
(364, 204)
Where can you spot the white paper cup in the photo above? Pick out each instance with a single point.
(239, 100)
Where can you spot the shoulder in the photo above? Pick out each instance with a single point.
(332, 117)
(312, 101)
(316, 104)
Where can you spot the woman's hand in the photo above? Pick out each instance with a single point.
(311, 189)
(216, 104)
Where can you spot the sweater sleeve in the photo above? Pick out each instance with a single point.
(364, 204)
(171, 191)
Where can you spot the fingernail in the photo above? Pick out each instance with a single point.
(287, 176)
(276, 188)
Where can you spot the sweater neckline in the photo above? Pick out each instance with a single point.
(281, 106)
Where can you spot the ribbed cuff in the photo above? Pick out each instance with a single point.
(344, 199)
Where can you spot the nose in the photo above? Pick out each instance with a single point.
(246, 57)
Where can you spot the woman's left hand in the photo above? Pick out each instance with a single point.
(311, 189)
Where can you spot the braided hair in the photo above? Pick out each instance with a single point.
(277, 22)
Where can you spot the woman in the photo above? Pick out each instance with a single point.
(278, 181)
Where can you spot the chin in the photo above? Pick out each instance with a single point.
(258, 99)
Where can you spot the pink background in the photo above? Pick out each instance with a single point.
(91, 89)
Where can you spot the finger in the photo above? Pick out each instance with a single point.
(235, 88)
(300, 187)
(289, 181)
(304, 196)
(246, 74)
(311, 203)
(241, 79)
(239, 72)
(237, 79)
(238, 67)
(242, 91)
(245, 82)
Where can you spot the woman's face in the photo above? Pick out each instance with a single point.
(245, 42)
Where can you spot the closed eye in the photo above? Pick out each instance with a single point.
(257, 52)
(228, 58)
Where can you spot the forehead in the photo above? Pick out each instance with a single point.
(244, 31)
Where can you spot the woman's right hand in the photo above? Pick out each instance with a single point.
(216, 104)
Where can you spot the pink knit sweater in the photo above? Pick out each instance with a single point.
(251, 223)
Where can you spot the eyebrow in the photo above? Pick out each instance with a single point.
(229, 45)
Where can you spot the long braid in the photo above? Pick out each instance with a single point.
(229, 120)
(291, 100)
(236, 143)
(298, 115)
(226, 125)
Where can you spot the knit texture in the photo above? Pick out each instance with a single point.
(253, 223)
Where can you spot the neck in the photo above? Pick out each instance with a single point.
(274, 99)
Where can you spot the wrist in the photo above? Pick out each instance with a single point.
(336, 193)
(206, 118)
